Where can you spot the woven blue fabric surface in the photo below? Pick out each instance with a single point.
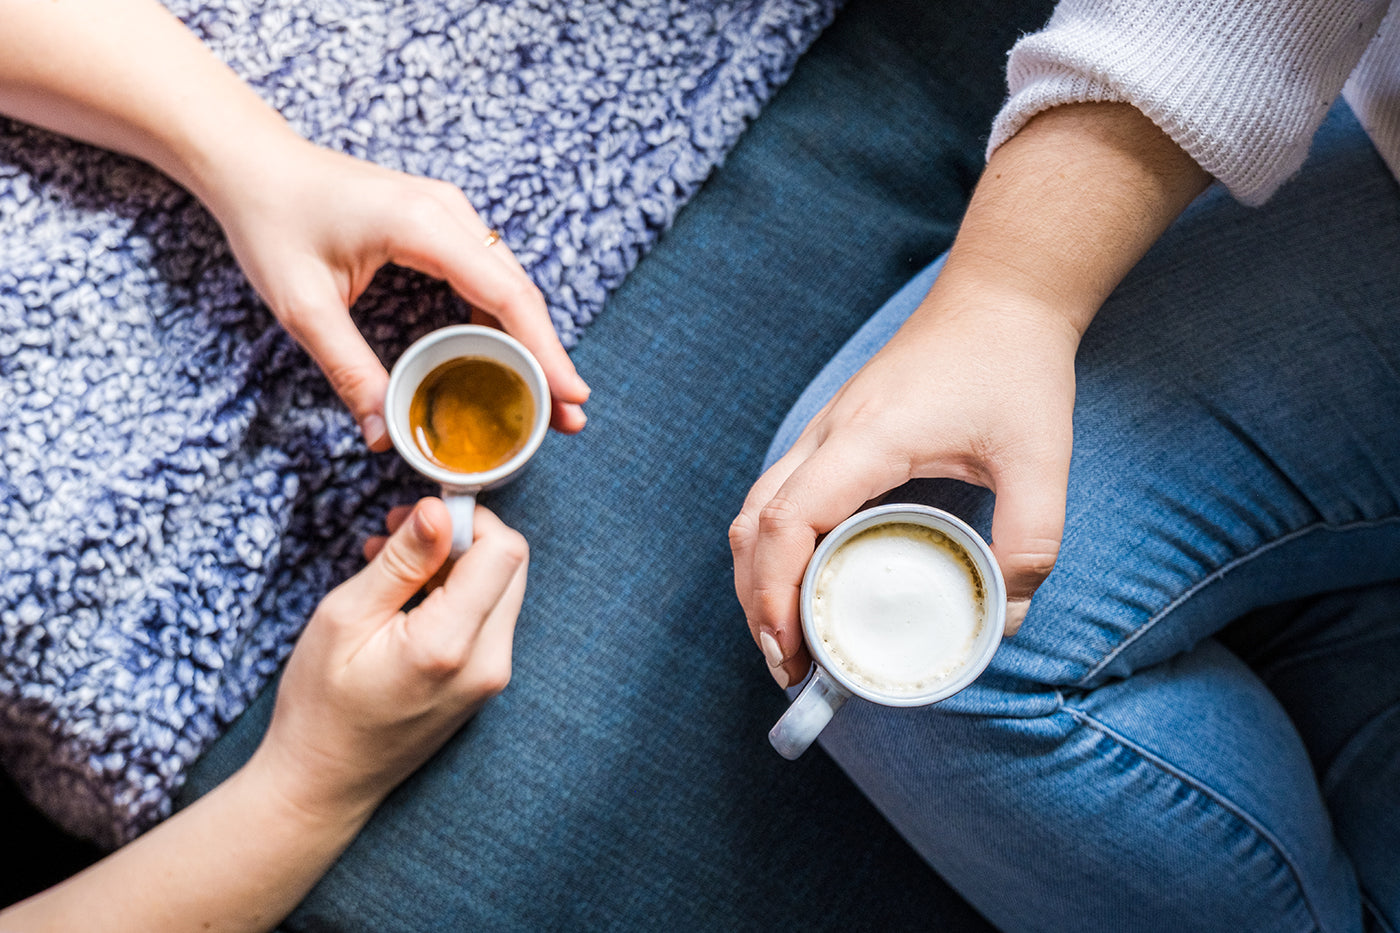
(179, 485)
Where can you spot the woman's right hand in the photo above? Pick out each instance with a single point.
(976, 386)
(371, 691)
(309, 226)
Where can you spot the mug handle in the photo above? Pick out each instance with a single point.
(808, 715)
(461, 505)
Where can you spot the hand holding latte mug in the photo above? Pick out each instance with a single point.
(902, 605)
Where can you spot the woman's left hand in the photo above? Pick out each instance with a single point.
(311, 227)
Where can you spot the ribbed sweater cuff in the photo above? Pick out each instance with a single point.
(1241, 87)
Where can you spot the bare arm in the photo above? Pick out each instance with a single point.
(978, 385)
(239, 859)
(126, 75)
(1068, 206)
(309, 226)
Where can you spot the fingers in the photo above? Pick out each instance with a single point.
(479, 600)
(373, 546)
(401, 565)
(775, 535)
(1027, 526)
(489, 668)
(564, 417)
(319, 321)
(743, 532)
(396, 517)
(444, 238)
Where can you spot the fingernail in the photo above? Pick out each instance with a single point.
(423, 527)
(1016, 610)
(774, 656)
(373, 429)
(771, 652)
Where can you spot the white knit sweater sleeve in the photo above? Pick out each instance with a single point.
(1374, 90)
(1241, 85)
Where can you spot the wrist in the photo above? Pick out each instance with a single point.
(290, 791)
(972, 279)
(225, 165)
(1002, 309)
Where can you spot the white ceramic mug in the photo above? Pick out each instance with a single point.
(831, 684)
(460, 341)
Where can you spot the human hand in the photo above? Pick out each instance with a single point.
(370, 691)
(393, 522)
(311, 234)
(977, 386)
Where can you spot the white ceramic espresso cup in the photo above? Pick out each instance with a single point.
(427, 354)
(834, 681)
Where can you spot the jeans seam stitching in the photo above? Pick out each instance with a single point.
(1219, 572)
(1220, 800)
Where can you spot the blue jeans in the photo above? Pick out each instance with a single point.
(624, 780)
(1198, 726)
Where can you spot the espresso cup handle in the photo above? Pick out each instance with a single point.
(808, 715)
(461, 505)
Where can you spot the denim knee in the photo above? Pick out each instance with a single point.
(1179, 799)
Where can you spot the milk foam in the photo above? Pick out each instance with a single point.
(899, 608)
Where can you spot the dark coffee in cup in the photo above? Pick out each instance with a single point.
(471, 414)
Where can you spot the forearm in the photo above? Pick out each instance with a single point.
(239, 859)
(128, 76)
(1065, 208)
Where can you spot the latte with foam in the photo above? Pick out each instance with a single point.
(899, 607)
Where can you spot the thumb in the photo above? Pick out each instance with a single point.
(406, 562)
(323, 326)
(1027, 526)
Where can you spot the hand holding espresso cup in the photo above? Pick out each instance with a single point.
(372, 689)
(467, 406)
(311, 234)
(901, 605)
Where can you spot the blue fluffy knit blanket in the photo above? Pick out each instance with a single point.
(179, 485)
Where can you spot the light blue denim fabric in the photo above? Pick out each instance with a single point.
(1237, 446)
